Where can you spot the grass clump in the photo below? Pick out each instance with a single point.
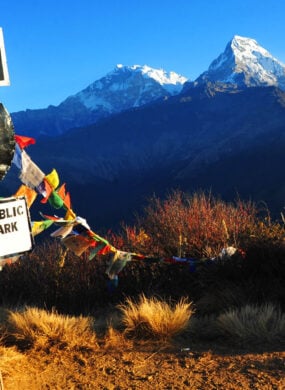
(38, 328)
(264, 323)
(155, 319)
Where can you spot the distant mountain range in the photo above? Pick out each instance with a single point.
(244, 63)
(138, 131)
(123, 88)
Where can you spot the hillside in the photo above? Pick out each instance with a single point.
(211, 137)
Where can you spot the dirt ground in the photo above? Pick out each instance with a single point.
(189, 369)
(146, 367)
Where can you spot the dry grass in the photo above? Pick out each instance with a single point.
(46, 350)
(265, 323)
(115, 340)
(63, 352)
(156, 319)
(34, 327)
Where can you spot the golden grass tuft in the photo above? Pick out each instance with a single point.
(155, 319)
(116, 340)
(265, 323)
(39, 328)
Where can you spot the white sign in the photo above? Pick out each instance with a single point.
(4, 75)
(15, 227)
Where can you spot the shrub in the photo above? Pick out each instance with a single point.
(41, 279)
(153, 318)
(194, 226)
(264, 323)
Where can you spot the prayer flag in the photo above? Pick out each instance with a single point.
(45, 189)
(77, 244)
(17, 159)
(31, 175)
(23, 141)
(39, 226)
(28, 192)
(55, 200)
(53, 179)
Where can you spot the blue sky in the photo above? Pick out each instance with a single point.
(57, 48)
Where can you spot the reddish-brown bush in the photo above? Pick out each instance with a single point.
(196, 226)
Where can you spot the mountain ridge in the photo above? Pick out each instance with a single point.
(185, 142)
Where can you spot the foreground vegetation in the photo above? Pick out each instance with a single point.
(61, 311)
(144, 344)
(199, 226)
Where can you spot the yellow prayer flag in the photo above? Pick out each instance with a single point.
(53, 179)
(70, 215)
(39, 226)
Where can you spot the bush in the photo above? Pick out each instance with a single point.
(251, 323)
(152, 318)
(193, 226)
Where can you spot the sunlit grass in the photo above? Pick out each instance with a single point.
(38, 327)
(153, 318)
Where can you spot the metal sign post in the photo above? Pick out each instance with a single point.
(7, 141)
(4, 75)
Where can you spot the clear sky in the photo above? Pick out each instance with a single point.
(56, 48)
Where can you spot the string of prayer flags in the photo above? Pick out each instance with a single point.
(74, 231)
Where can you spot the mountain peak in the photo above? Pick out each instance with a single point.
(130, 86)
(245, 63)
(164, 78)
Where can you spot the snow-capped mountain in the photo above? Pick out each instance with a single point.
(123, 88)
(247, 64)
(129, 86)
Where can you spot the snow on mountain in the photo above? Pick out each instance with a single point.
(245, 63)
(129, 86)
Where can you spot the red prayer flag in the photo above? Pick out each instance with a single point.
(23, 141)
